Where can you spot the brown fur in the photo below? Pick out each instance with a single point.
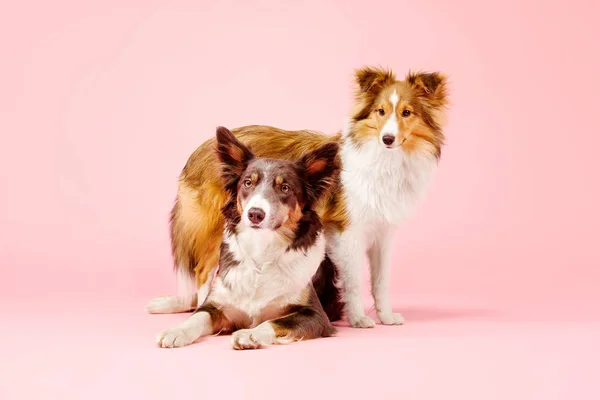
(324, 283)
(291, 224)
(305, 320)
(424, 95)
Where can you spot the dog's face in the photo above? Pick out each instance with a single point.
(269, 194)
(273, 194)
(404, 114)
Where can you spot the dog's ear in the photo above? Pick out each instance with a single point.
(234, 157)
(320, 168)
(370, 81)
(373, 79)
(430, 86)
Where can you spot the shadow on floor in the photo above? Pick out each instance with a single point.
(426, 314)
(432, 314)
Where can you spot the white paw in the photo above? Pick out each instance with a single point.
(362, 322)
(174, 337)
(391, 318)
(245, 339)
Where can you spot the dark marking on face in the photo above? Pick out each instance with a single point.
(278, 183)
(290, 189)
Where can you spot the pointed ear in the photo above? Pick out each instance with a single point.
(321, 168)
(370, 81)
(373, 79)
(430, 85)
(233, 155)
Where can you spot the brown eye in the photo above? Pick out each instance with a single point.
(247, 183)
(381, 112)
(405, 113)
(285, 188)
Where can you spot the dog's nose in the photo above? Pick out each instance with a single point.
(388, 139)
(256, 215)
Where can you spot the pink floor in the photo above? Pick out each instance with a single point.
(103, 351)
(102, 102)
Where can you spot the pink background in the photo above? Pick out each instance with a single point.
(101, 104)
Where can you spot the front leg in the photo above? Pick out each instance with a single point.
(347, 251)
(302, 323)
(207, 320)
(380, 259)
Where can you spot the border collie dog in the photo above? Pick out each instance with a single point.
(389, 150)
(273, 243)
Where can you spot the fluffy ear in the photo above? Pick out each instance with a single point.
(234, 157)
(320, 169)
(431, 86)
(370, 81)
(370, 78)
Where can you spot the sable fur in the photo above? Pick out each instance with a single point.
(424, 94)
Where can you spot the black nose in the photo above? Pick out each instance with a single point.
(388, 139)
(256, 215)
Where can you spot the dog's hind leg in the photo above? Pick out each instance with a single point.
(183, 303)
(196, 235)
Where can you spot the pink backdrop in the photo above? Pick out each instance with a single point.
(101, 104)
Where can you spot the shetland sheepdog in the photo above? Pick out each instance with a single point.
(272, 245)
(389, 150)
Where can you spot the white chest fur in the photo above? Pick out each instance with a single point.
(266, 276)
(383, 186)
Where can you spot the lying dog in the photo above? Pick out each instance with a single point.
(272, 246)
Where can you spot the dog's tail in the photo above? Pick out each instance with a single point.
(325, 283)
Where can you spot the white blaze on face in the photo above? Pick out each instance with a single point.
(391, 125)
(257, 200)
(394, 99)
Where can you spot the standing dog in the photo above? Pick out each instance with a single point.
(272, 246)
(389, 150)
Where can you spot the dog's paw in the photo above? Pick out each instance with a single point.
(174, 337)
(361, 322)
(391, 318)
(246, 339)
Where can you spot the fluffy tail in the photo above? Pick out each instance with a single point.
(329, 295)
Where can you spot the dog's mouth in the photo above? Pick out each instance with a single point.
(267, 226)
